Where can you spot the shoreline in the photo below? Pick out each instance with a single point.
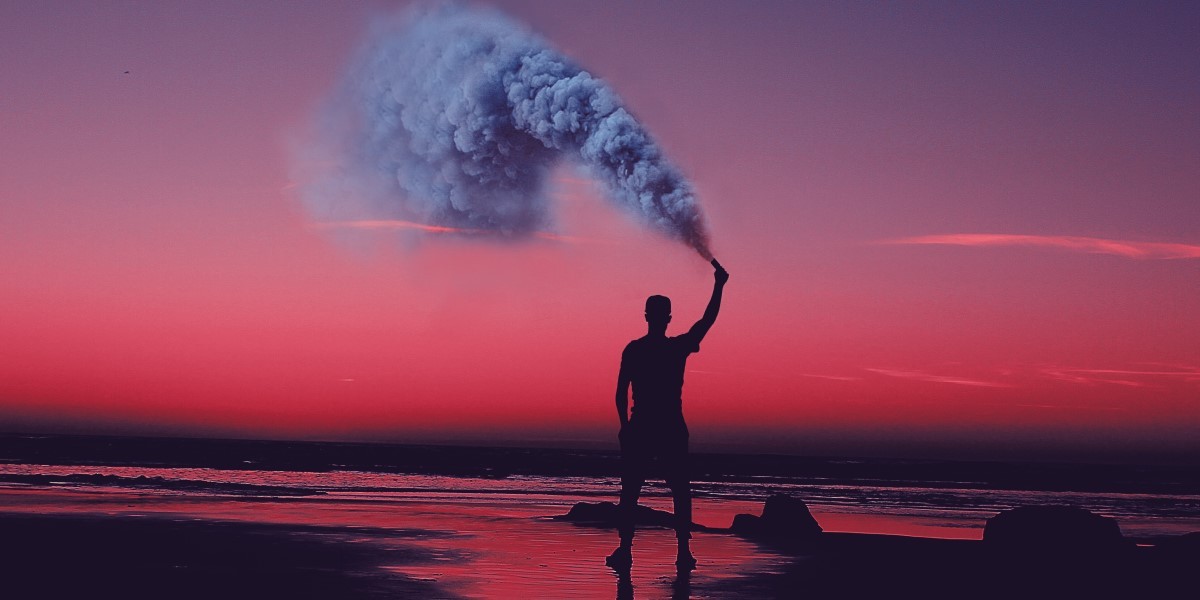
(500, 462)
(487, 547)
(69, 556)
(842, 506)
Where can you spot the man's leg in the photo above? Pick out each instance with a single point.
(632, 480)
(633, 476)
(679, 480)
(681, 491)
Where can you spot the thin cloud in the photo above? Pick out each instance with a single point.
(398, 224)
(1119, 376)
(918, 376)
(1188, 374)
(1091, 245)
(1072, 408)
(830, 377)
(1067, 376)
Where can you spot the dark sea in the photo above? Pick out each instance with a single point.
(942, 499)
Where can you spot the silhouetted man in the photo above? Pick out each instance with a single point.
(654, 366)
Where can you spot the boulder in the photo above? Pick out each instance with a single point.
(1180, 546)
(784, 519)
(1054, 530)
(604, 514)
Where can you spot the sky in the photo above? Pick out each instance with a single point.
(955, 230)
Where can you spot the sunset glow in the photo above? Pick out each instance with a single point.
(160, 275)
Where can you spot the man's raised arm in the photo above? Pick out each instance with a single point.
(700, 329)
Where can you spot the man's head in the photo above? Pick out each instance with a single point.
(658, 310)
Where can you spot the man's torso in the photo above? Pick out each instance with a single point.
(655, 367)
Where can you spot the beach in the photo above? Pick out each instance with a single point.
(165, 525)
(451, 548)
(65, 544)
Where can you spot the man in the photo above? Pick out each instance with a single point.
(654, 366)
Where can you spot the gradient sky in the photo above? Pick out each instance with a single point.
(954, 229)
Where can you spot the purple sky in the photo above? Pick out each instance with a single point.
(954, 229)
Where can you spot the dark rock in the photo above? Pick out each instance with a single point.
(784, 519)
(1186, 545)
(604, 514)
(1054, 530)
(743, 523)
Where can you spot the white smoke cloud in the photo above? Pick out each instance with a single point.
(453, 117)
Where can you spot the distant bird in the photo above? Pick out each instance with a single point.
(126, 72)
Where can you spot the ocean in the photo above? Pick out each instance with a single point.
(939, 499)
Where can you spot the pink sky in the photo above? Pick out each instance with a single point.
(953, 230)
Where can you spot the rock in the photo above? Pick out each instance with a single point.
(744, 524)
(784, 519)
(1054, 530)
(1180, 546)
(604, 514)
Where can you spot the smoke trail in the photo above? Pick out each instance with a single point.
(453, 117)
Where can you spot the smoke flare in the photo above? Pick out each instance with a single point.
(453, 117)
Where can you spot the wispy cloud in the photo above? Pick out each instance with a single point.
(398, 224)
(1150, 377)
(1127, 249)
(830, 377)
(1072, 407)
(1181, 373)
(919, 376)
(1124, 377)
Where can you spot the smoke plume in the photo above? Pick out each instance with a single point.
(453, 117)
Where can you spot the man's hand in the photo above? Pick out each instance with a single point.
(720, 274)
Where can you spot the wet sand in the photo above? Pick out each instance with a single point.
(67, 543)
(451, 548)
(89, 556)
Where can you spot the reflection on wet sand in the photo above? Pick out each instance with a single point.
(139, 544)
(680, 586)
(474, 548)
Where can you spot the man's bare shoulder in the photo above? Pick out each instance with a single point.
(687, 342)
(643, 345)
